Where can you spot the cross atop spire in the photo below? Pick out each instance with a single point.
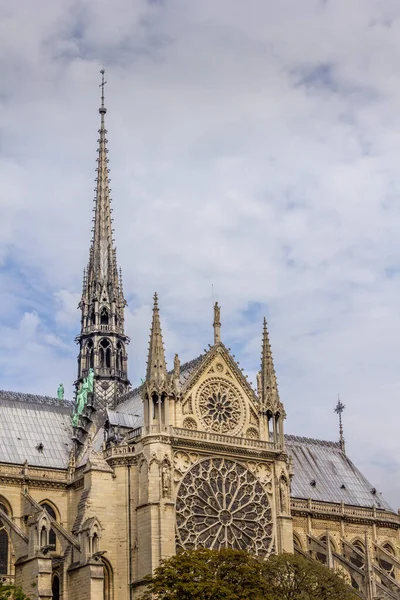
(339, 408)
(156, 366)
(102, 109)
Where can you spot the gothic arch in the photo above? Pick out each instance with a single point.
(120, 356)
(297, 542)
(89, 349)
(53, 512)
(385, 563)
(104, 316)
(108, 593)
(5, 544)
(105, 351)
(322, 555)
(55, 587)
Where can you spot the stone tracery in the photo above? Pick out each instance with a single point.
(220, 406)
(221, 504)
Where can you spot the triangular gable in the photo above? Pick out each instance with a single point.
(218, 398)
(221, 350)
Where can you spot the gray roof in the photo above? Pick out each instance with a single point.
(26, 422)
(123, 419)
(335, 476)
(132, 403)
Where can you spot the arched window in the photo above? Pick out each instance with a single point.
(55, 588)
(4, 544)
(108, 580)
(93, 317)
(296, 542)
(105, 354)
(104, 316)
(119, 356)
(89, 355)
(52, 535)
(385, 563)
(358, 561)
(321, 554)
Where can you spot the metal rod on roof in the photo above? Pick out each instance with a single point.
(339, 408)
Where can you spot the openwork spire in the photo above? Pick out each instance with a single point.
(156, 366)
(102, 338)
(267, 383)
(102, 273)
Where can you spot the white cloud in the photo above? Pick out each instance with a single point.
(253, 147)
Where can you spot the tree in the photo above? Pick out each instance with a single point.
(207, 575)
(292, 577)
(237, 575)
(9, 591)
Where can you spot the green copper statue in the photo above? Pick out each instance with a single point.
(81, 398)
(60, 392)
(90, 380)
(84, 389)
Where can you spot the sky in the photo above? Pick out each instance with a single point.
(254, 159)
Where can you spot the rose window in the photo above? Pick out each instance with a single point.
(220, 406)
(221, 504)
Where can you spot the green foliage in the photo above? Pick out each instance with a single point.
(9, 591)
(292, 577)
(237, 575)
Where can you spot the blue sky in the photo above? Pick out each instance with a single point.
(254, 147)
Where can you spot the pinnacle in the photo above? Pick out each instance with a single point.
(269, 387)
(156, 365)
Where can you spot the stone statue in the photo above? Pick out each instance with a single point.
(166, 480)
(90, 380)
(283, 495)
(60, 392)
(217, 313)
(259, 384)
(177, 366)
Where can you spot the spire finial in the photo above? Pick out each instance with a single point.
(102, 109)
(339, 408)
(217, 323)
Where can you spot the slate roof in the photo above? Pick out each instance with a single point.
(132, 403)
(336, 477)
(28, 420)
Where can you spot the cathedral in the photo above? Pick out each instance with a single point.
(96, 492)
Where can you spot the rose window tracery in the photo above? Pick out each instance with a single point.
(221, 504)
(220, 406)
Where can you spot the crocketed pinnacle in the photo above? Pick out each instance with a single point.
(269, 395)
(102, 277)
(156, 365)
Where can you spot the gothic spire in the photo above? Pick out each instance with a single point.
(268, 387)
(156, 365)
(102, 271)
(102, 338)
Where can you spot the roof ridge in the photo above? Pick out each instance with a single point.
(34, 398)
(298, 438)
